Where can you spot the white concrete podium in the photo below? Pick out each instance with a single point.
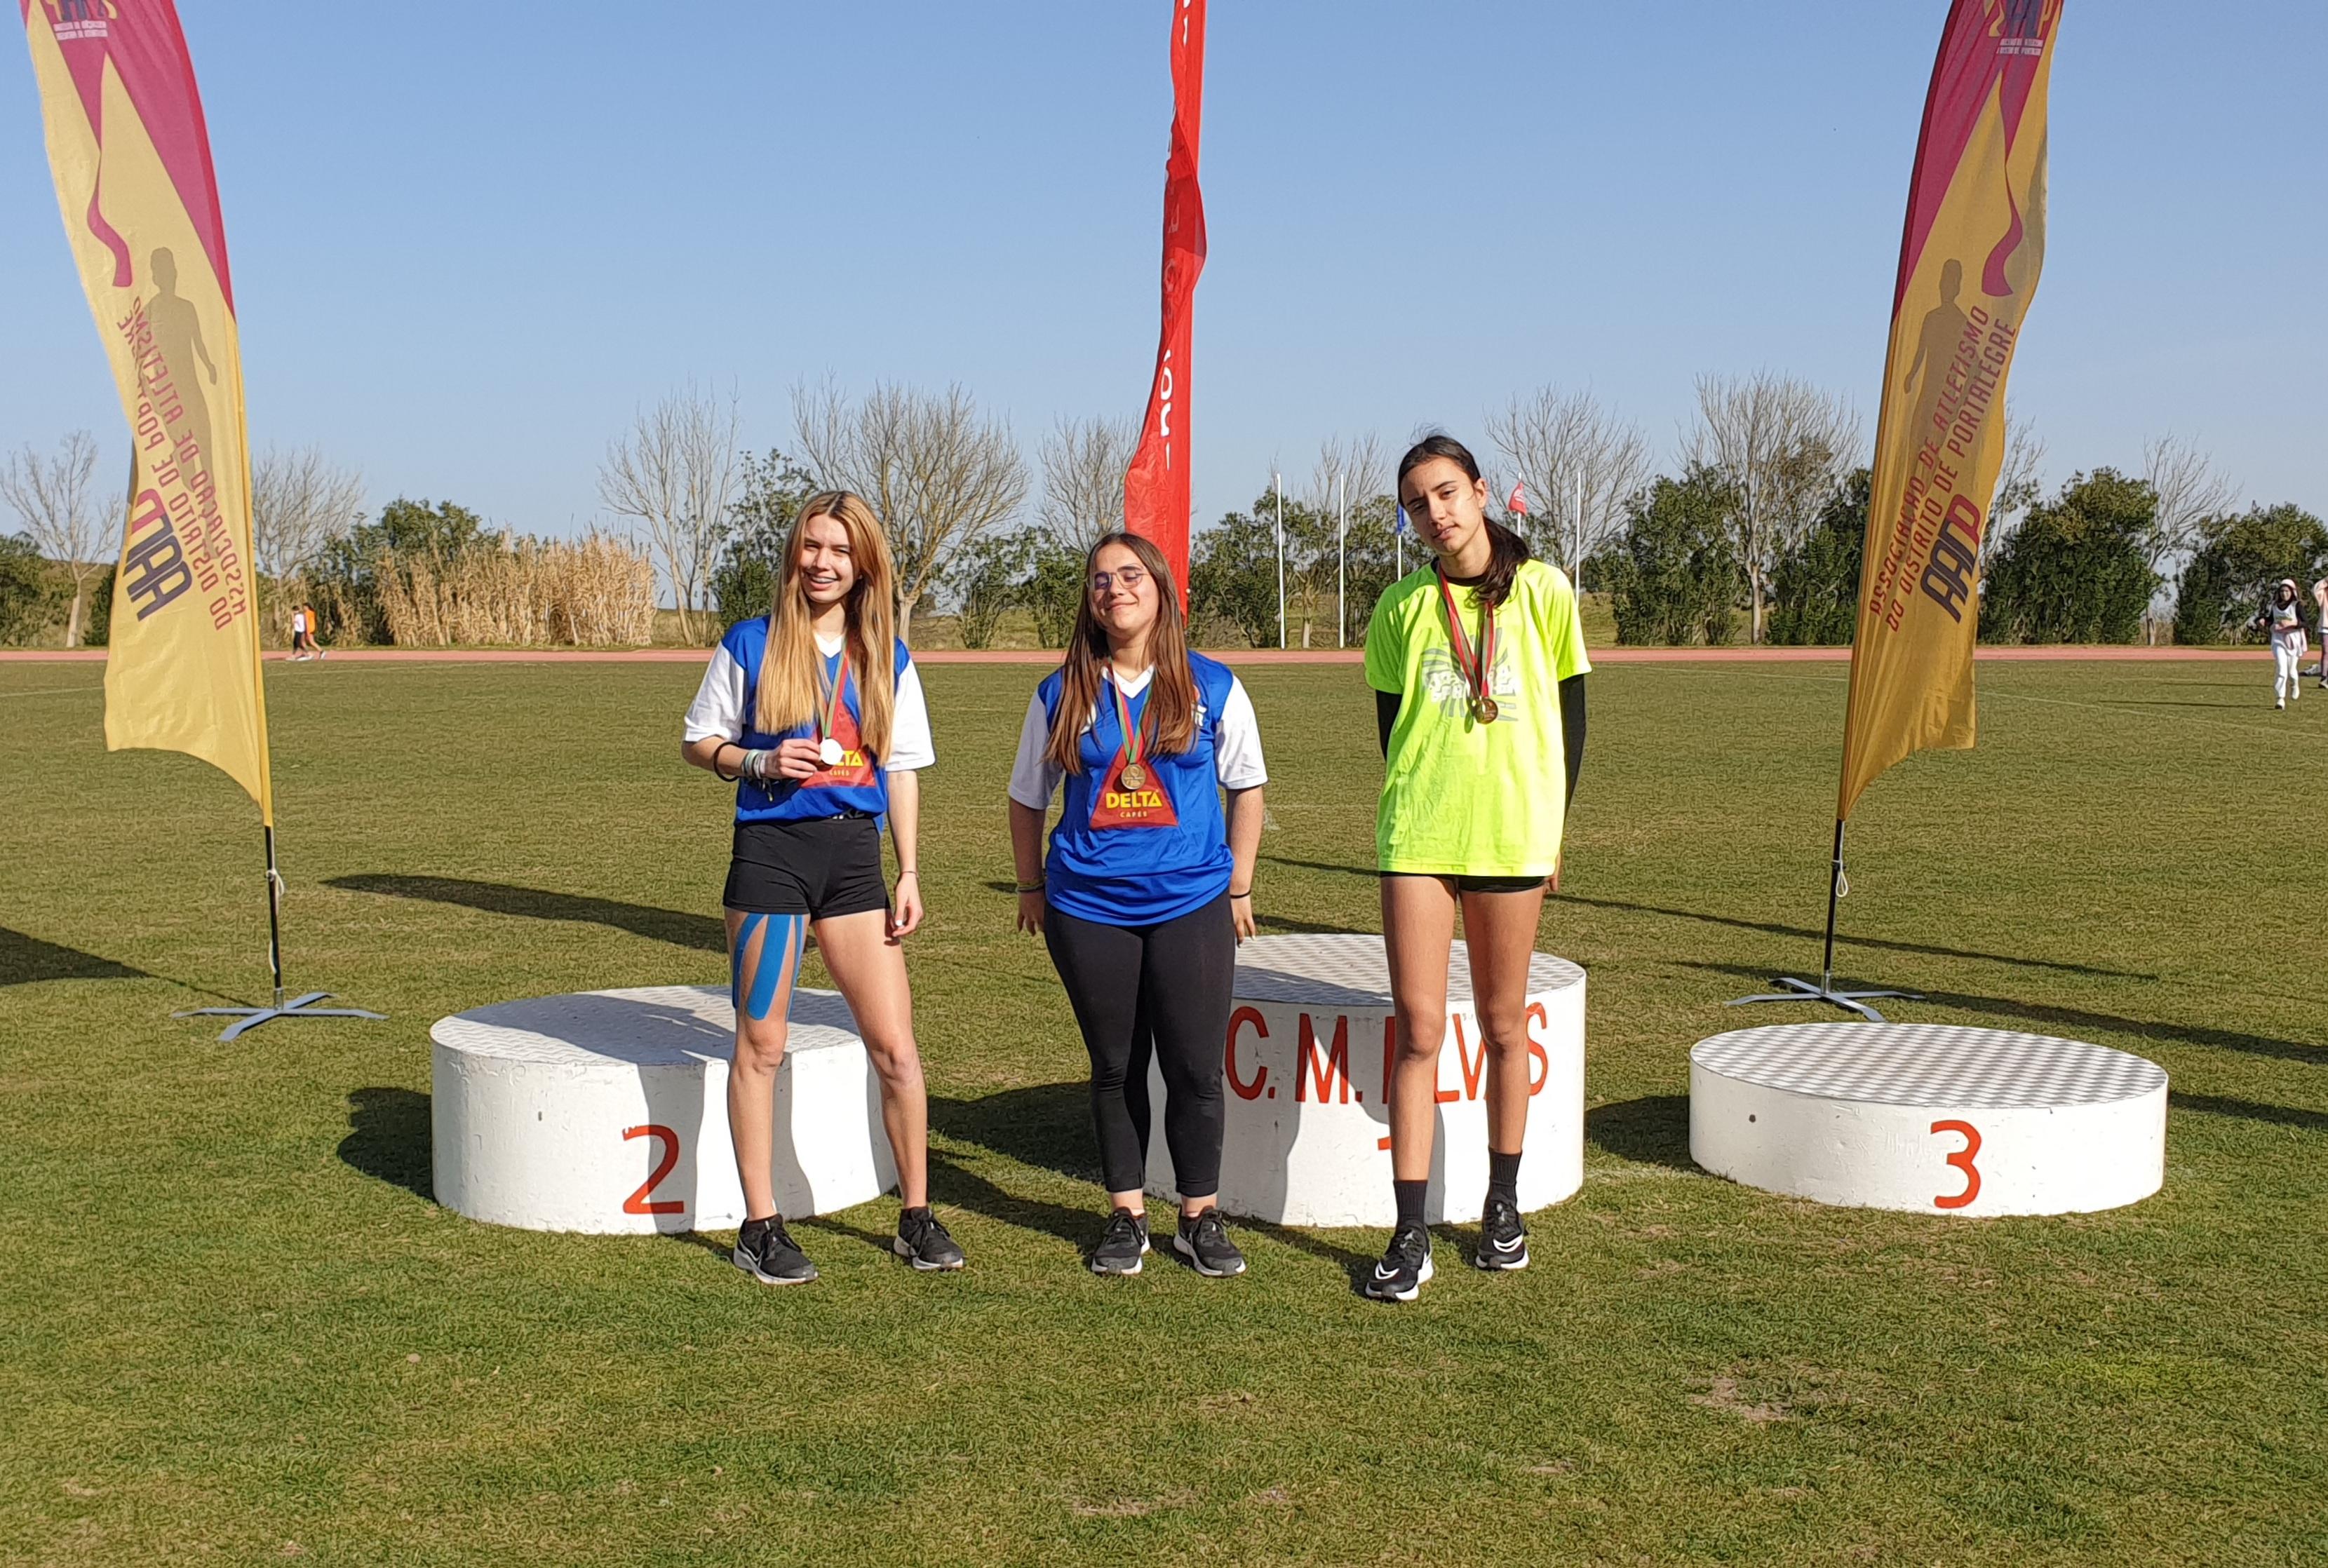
(1930, 1117)
(1307, 1055)
(607, 1111)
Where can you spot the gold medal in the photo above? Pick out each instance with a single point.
(1135, 777)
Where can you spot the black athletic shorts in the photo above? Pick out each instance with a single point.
(1481, 883)
(828, 867)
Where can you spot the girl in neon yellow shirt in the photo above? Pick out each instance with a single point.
(1478, 665)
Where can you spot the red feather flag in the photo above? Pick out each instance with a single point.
(1156, 487)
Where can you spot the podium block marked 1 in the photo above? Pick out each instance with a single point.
(1307, 1058)
(1929, 1117)
(607, 1111)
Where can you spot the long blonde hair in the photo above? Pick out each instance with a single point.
(1168, 725)
(792, 671)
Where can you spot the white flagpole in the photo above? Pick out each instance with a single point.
(1277, 481)
(1341, 563)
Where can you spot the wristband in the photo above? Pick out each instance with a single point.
(1234, 894)
(725, 777)
(905, 871)
(1035, 886)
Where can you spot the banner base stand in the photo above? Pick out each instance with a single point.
(1850, 1002)
(298, 1006)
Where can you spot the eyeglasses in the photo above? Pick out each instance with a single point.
(1129, 578)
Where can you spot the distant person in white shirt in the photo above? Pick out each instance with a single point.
(2283, 626)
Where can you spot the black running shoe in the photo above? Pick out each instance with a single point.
(1406, 1267)
(923, 1242)
(765, 1250)
(1503, 1239)
(1121, 1245)
(1205, 1242)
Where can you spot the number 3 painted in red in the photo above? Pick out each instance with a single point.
(1962, 1161)
(637, 1203)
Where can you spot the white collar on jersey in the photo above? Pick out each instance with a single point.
(1131, 686)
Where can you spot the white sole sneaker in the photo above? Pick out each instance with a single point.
(1421, 1278)
(1180, 1245)
(1108, 1274)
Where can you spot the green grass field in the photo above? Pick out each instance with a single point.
(238, 1329)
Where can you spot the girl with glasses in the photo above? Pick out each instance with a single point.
(1147, 887)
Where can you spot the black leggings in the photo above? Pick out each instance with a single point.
(1160, 988)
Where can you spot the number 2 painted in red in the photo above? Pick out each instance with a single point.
(1962, 1161)
(638, 1202)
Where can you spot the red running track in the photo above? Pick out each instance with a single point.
(1986, 655)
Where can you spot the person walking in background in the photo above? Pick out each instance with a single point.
(2283, 626)
(1478, 664)
(815, 712)
(1147, 890)
(2320, 623)
(298, 633)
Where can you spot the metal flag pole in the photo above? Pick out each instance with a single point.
(1341, 564)
(1277, 480)
(298, 1006)
(1398, 542)
(1838, 887)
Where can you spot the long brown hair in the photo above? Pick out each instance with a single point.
(792, 672)
(1168, 723)
(1506, 546)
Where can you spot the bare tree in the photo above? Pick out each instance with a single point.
(937, 473)
(2190, 492)
(2016, 486)
(1580, 465)
(51, 495)
(1782, 444)
(1360, 465)
(300, 502)
(675, 472)
(1083, 464)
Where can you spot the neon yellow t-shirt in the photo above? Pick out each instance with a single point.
(1460, 798)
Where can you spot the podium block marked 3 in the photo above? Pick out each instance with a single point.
(1931, 1117)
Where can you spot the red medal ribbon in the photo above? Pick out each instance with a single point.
(1477, 666)
(1135, 746)
(832, 718)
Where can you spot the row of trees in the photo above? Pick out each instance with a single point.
(1756, 537)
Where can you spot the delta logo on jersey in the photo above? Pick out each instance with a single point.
(855, 769)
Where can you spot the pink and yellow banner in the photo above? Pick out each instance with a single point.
(132, 161)
(1156, 488)
(1968, 264)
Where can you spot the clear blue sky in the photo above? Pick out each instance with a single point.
(469, 241)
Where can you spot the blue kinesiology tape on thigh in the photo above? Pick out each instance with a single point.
(743, 934)
(788, 930)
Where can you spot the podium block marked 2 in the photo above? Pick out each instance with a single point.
(607, 1111)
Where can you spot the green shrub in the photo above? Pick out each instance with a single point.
(1674, 576)
(2237, 562)
(2075, 571)
(29, 599)
(1814, 592)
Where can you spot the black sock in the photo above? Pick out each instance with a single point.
(1410, 1194)
(1504, 1176)
(921, 1212)
(757, 1227)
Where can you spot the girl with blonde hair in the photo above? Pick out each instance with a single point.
(815, 712)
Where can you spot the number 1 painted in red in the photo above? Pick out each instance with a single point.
(1962, 1161)
(638, 1203)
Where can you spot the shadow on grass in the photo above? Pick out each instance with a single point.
(1809, 933)
(2249, 1111)
(2023, 1013)
(26, 958)
(388, 1138)
(705, 932)
(1653, 1130)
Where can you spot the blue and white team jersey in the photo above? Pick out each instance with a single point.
(723, 708)
(1144, 875)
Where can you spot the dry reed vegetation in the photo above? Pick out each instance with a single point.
(595, 592)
